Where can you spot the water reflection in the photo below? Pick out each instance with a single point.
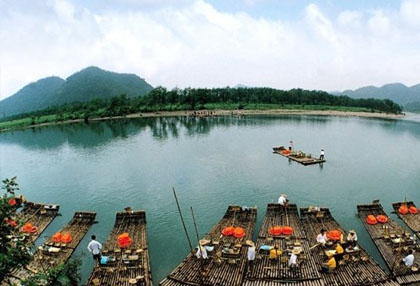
(93, 134)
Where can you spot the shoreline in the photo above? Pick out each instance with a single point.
(223, 112)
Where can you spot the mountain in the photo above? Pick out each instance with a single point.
(89, 83)
(34, 96)
(397, 92)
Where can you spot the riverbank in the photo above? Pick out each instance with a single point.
(221, 112)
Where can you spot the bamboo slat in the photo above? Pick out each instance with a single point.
(384, 236)
(357, 270)
(44, 259)
(268, 272)
(411, 220)
(220, 268)
(120, 271)
(39, 215)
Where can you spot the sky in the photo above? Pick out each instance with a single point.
(328, 45)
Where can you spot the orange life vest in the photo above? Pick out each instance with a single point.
(29, 228)
(124, 240)
(334, 235)
(287, 230)
(56, 237)
(382, 218)
(371, 219)
(229, 230)
(275, 230)
(66, 237)
(413, 210)
(239, 232)
(403, 209)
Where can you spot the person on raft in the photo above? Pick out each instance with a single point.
(339, 252)
(409, 259)
(201, 251)
(321, 157)
(95, 248)
(330, 265)
(251, 254)
(352, 238)
(322, 237)
(283, 200)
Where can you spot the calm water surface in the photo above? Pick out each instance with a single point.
(212, 162)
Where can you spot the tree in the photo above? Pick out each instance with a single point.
(14, 252)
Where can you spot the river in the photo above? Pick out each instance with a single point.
(212, 162)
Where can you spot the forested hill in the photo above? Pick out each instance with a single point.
(409, 97)
(83, 86)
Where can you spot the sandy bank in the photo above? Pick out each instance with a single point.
(229, 112)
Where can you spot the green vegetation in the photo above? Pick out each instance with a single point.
(161, 99)
(82, 86)
(412, 107)
(15, 251)
(396, 92)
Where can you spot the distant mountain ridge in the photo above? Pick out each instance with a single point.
(397, 92)
(85, 85)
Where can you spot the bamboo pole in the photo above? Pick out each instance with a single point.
(182, 219)
(195, 224)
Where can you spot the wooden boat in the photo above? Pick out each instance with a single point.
(39, 216)
(412, 220)
(52, 253)
(276, 272)
(298, 156)
(128, 265)
(392, 241)
(357, 268)
(226, 261)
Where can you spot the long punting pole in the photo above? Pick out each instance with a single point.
(182, 219)
(195, 224)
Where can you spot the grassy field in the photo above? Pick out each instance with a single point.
(29, 121)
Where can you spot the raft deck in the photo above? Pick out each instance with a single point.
(392, 241)
(299, 157)
(411, 220)
(356, 267)
(226, 262)
(39, 215)
(51, 254)
(266, 272)
(131, 264)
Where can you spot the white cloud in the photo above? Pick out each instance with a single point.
(195, 44)
(350, 19)
(410, 12)
(379, 23)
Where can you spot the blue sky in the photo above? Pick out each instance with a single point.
(329, 45)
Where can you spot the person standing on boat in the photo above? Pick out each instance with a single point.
(251, 254)
(283, 200)
(409, 259)
(290, 145)
(321, 157)
(322, 237)
(201, 251)
(95, 248)
(293, 258)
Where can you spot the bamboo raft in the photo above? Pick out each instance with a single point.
(51, 254)
(131, 265)
(226, 263)
(392, 241)
(357, 269)
(267, 272)
(300, 157)
(39, 215)
(411, 220)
